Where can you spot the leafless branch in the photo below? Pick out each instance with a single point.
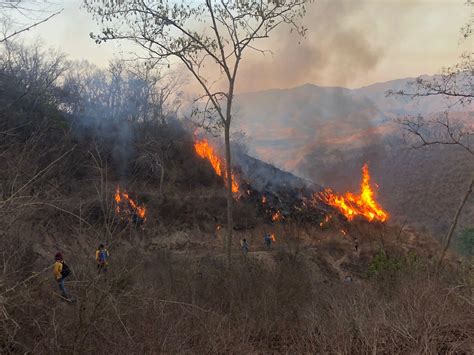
(29, 27)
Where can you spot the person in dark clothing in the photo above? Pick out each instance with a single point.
(101, 257)
(267, 240)
(245, 246)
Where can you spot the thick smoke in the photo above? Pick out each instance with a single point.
(313, 131)
(337, 49)
(323, 134)
(112, 104)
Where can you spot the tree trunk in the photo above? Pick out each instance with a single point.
(162, 179)
(228, 242)
(447, 240)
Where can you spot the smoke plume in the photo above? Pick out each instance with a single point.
(337, 49)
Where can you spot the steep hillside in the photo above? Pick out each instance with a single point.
(263, 176)
(325, 134)
(285, 125)
(89, 159)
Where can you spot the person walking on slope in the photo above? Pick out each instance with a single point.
(245, 246)
(356, 244)
(267, 240)
(101, 257)
(61, 271)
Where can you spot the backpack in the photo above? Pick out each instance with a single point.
(102, 256)
(65, 271)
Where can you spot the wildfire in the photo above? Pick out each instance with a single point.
(205, 151)
(276, 216)
(123, 203)
(326, 220)
(352, 205)
(272, 237)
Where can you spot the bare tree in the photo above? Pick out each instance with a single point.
(20, 10)
(468, 28)
(129, 92)
(207, 38)
(35, 71)
(161, 93)
(456, 84)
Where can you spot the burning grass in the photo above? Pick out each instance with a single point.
(276, 216)
(126, 206)
(206, 151)
(352, 205)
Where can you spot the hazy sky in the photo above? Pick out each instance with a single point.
(350, 43)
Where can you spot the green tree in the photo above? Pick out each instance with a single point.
(209, 38)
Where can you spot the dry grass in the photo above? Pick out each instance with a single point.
(168, 290)
(185, 302)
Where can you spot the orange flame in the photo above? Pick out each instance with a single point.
(118, 199)
(276, 216)
(326, 220)
(352, 205)
(131, 207)
(205, 151)
(272, 237)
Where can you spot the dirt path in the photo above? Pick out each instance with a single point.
(336, 265)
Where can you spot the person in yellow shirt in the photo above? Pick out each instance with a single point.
(102, 257)
(61, 271)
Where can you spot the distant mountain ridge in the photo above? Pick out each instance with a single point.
(284, 124)
(325, 134)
